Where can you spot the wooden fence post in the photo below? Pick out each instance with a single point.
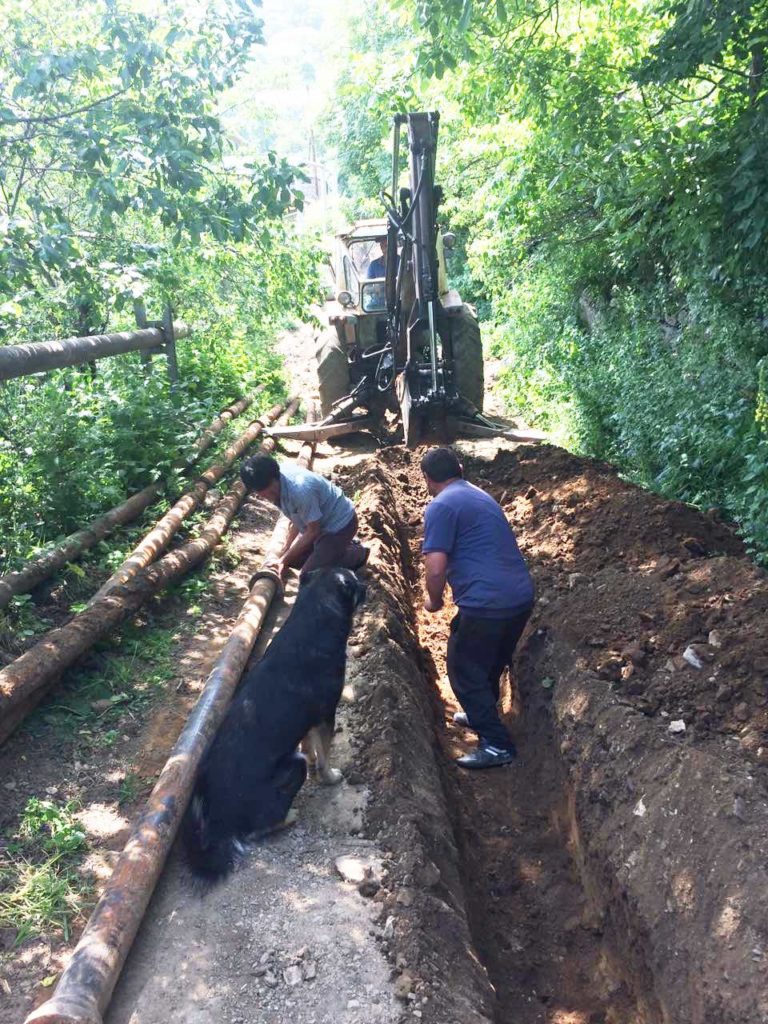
(170, 344)
(140, 312)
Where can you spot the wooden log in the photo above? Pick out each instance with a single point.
(37, 356)
(159, 537)
(48, 562)
(26, 680)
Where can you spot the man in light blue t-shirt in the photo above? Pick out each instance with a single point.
(469, 544)
(323, 519)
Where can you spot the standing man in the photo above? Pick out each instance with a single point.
(323, 519)
(469, 544)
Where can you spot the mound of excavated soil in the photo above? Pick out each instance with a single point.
(653, 596)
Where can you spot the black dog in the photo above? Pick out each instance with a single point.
(252, 771)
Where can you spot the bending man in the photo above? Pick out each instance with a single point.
(323, 519)
(469, 544)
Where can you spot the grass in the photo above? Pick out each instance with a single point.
(140, 660)
(41, 888)
(131, 788)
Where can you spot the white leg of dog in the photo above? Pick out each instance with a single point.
(319, 741)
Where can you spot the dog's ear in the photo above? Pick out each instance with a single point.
(351, 587)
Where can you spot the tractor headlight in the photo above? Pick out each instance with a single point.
(344, 298)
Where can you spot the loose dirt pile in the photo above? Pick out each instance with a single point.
(656, 598)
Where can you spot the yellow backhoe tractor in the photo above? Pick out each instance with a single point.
(399, 339)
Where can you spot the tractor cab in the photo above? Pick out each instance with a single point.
(357, 260)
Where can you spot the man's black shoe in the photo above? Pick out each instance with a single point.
(357, 556)
(486, 756)
(365, 554)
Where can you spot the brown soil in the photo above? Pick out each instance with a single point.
(629, 581)
(588, 897)
(519, 890)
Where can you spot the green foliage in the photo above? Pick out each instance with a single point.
(669, 396)
(118, 183)
(375, 81)
(40, 887)
(108, 124)
(131, 788)
(52, 827)
(606, 174)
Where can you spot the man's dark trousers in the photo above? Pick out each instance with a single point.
(478, 651)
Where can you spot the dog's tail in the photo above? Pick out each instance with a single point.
(210, 858)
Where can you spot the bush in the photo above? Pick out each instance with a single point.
(75, 442)
(671, 388)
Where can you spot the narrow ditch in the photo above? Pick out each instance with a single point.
(509, 870)
(539, 936)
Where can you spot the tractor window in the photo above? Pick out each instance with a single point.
(374, 297)
(363, 253)
(351, 279)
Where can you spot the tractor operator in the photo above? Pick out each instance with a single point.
(378, 267)
(323, 520)
(469, 544)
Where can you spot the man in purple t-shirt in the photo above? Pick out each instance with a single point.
(469, 544)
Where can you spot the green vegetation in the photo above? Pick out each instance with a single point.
(118, 184)
(131, 788)
(40, 886)
(606, 169)
(93, 705)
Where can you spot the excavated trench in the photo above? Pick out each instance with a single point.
(514, 880)
(594, 881)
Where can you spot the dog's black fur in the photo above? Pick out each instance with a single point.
(252, 770)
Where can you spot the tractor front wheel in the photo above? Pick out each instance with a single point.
(332, 371)
(468, 357)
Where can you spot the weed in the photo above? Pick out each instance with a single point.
(137, 665)
(225, 554)
(193, 586)
(20, 622)
(40, 886)
(107, 739)
(130, 788)
(53, 827)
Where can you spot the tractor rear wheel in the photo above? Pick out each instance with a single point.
(332, 371)
(468, 357)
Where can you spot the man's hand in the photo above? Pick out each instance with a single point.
(277, 565)
(435, 567)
